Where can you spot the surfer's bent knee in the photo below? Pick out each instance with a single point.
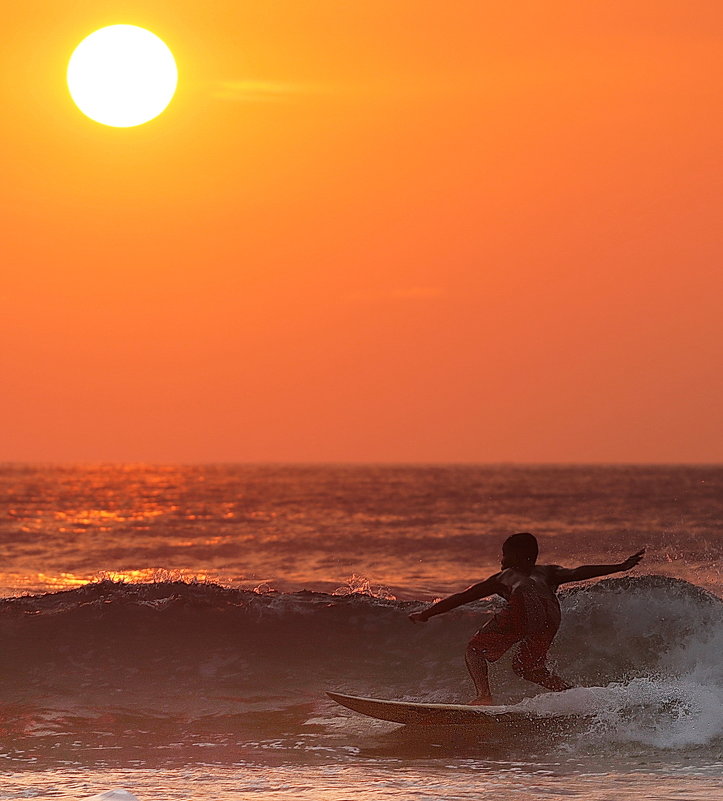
(475, 649)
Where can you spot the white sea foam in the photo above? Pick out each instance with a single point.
(679, 702)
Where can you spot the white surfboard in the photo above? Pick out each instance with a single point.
(112, 795)
(410, 712)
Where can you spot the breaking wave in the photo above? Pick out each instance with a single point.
(644, 653)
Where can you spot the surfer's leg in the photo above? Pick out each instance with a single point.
(483, 648)
(477, 666)
(529, 662)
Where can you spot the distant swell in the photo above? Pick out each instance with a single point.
(195, 651)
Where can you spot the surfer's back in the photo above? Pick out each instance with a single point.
(540, 580)
(532, 605)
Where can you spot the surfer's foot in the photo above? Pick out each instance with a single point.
(480, 700)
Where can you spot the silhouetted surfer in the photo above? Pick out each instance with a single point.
(530, 618)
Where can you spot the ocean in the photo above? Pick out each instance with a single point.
(171, 630)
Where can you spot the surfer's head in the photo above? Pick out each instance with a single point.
(519, 551)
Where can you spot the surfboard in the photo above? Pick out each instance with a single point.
(410, 712)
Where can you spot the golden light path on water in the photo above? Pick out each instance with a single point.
(43, 582)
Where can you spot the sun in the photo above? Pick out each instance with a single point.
(122, 76)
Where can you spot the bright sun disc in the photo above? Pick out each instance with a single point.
(122, 76)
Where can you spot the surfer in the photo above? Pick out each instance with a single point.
(530, 618)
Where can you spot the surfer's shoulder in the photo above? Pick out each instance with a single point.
(497, 580)
(551, 573)
(509, 577)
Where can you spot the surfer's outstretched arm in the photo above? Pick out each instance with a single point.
(565, 574)
(476, 591)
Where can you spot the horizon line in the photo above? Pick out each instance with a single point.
(351, 463)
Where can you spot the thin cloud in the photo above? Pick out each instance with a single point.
(255, 91)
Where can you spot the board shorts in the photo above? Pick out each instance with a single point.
(529, 619)
(531, 656)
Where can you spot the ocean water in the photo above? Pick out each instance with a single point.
(172, 630)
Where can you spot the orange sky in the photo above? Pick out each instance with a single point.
(376, 231)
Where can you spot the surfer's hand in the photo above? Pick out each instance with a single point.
(418, 617)
(633, 560)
